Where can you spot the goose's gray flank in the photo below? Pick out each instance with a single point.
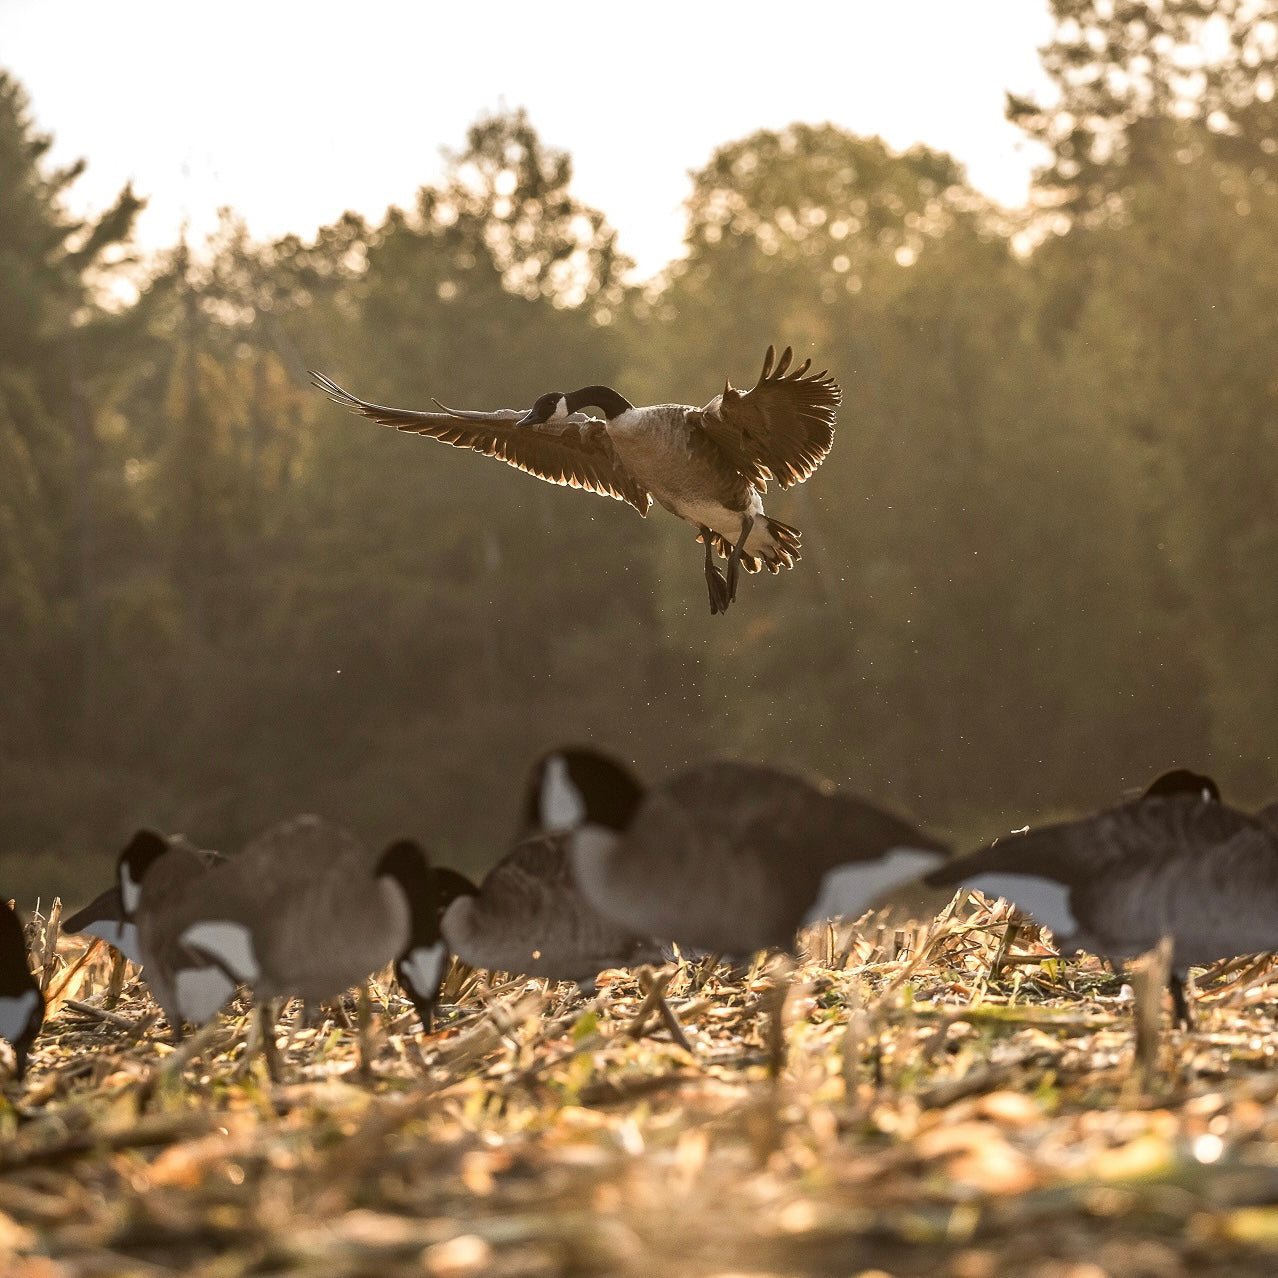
(530, 918)
(306, 912)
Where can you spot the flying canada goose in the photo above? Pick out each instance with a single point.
(708, 465)
(105, 916)
(21, 1003)
(1178, 864)
(725, 857)
(528, 917)
(304, 911)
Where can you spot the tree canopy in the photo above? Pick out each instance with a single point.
(1037, 563)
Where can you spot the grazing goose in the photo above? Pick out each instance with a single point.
(528, 917)
(156, 878)
(1268, 815)
(423, 964)
(105, 916)
(707, 465)
(305, 912)
(726, 857)
(21, 1003)
(1178, 864)
(1183, 781)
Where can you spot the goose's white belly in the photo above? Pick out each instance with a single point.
(654, 449)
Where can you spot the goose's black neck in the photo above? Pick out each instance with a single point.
(407, 863)
(612, 402)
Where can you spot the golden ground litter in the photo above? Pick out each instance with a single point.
(954, 1101)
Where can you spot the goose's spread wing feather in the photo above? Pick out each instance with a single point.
(576, 452)
(782, 428)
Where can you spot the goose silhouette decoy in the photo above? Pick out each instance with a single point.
(1175, 863)
(21, 1003)
(105, 916)
(155, 879)
(528, 917)
(306, 912)
(709, 466)
(1183, 781)
(724, 857)
(422, 965)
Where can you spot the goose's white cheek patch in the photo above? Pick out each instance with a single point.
(16, 1013)
(849, 890)
(227, 942)
(1044, 900)
(562, 807)
(124, 936)
(201, 991)
(423, 969)
(130, 890)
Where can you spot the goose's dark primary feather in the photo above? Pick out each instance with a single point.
(576, 453)
(780, 429)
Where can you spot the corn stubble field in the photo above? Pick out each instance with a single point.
(950, 1104)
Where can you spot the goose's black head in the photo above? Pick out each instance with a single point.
(573, 787)
(550, 407)
(1183, 781)
(407, 864)
(554, 406)
(423, 963)
(143, 850)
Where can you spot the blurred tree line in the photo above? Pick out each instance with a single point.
(1039, 562)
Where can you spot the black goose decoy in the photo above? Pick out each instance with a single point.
(306, 912)
(21, 1003)
(1183, 781)
(725, 857)
(423, 963)
(708, 465)
(528, 917)
(1177, 863)
(105, 916)
(156, 878)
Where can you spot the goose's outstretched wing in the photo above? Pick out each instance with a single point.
(576, 452)
(782, 428)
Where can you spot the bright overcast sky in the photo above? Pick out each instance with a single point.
(291, 111)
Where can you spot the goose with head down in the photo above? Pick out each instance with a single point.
(21, 1003)
(725, 857)
(106, 916)
(1173, 862)
(710, 465)
(307, 911)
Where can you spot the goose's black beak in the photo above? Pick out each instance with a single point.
(530, 418)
